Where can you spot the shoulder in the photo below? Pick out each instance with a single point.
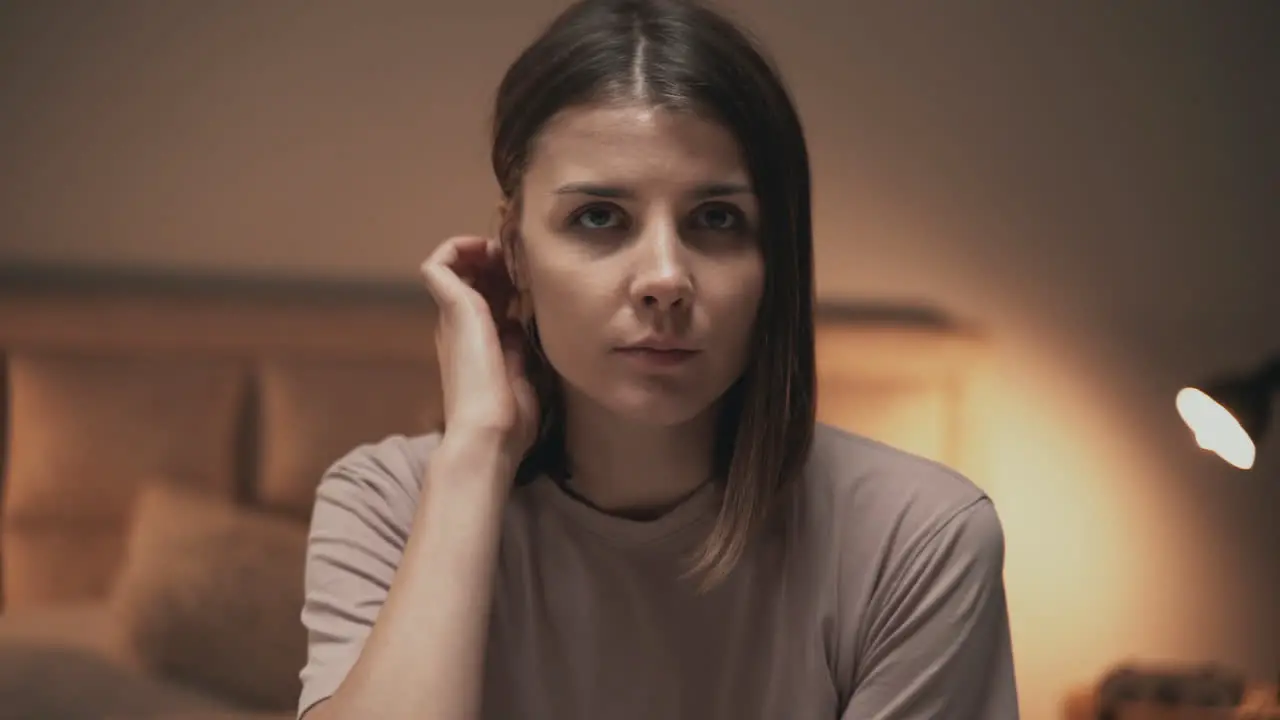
(887, 539)
(379, 482)
(855, 474)
(879, 506)
(364, 509)
(396, 460)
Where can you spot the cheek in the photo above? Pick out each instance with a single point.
(569, 324)
(738, 321)
(557, 281)
(740, 298)
(566, 299)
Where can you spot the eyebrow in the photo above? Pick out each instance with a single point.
(702, 192)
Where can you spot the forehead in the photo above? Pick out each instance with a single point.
(634, 145)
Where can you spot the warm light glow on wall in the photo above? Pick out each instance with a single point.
(905, 385)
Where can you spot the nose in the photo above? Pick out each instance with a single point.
(662, 281)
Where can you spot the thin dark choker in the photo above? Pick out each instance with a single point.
(563, 482)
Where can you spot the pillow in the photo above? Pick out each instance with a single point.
(47, 682)
(211, 596)
(316, 410)
(83, 429)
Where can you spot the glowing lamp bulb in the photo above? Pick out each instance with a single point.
(1215, 428)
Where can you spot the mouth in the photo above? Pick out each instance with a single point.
(655, 356)
(660, 343)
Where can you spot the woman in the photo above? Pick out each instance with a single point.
(630, 512)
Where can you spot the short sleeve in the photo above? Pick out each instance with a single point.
(364, 508)
(938, 647)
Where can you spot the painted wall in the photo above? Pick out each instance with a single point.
(1093, 184)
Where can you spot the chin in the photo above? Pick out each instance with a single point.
(643, 401)
(657, 408)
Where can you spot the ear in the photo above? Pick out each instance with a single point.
(512, 243)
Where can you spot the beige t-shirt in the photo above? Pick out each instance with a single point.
(875, 594)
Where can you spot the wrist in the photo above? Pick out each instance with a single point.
(480, 454)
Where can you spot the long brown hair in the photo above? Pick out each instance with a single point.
(681, 55)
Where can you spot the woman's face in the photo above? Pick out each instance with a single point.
(638, 249)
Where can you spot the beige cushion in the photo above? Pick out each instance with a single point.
(83, 428)
(44, 682)
(315, 410)
(82, 627)
(50, 562)
(211, 596)
(210, 715)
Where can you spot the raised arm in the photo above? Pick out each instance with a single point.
(402, 635)
(399, 632)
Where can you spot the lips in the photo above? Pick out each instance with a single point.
(657, 356)
(657, 344)
(657, 347)
(674, 352)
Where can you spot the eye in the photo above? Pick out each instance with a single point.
(598, 217)
(719, 218)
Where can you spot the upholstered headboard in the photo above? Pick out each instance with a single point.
(250, 390)
(244, 390)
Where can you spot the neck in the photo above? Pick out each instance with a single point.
(635, 469)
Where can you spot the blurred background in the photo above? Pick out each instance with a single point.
(1092, 185)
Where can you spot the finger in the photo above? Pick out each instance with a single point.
(462, 254)
(448, 290)
(514, 348)
(447, 252)
(493, 282)
(475, 262)
(513, 361)
(458, 254)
